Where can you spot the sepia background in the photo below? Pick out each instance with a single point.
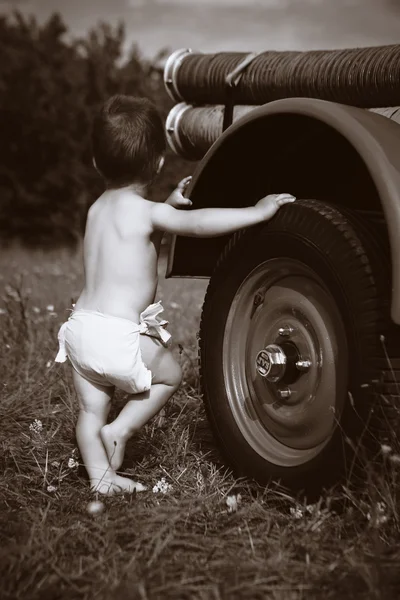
(197, 533)
(215, 25)
(59, 60)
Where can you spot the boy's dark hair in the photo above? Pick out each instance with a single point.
(128, 140)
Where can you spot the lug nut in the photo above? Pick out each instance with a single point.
(284, 393)
(285, 331)
(303, 365)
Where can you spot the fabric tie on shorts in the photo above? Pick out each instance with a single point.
(149, 324)
(62, 353)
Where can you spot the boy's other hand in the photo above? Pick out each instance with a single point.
(177, 199)
(270, 204)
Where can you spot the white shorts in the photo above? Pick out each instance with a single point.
(105, 349)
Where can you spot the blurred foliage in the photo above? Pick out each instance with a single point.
(49, 89)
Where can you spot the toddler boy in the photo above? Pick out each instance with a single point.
(115, 337)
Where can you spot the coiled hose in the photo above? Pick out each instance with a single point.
(363, 77)
(192, 130)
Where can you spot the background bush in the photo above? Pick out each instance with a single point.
(49, 89)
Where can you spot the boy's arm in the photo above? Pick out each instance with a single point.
(204, 222)
(213, 222)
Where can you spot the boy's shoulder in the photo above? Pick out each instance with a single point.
(123, 207)
(121, 201)
(132, 212)
(134, 204)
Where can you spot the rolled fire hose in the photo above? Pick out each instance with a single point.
(364, 77)
(192, 130)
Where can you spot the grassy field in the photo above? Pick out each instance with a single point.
(197, 533)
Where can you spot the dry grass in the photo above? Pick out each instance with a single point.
(209, 536)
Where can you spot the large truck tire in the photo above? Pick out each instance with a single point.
(292, 345)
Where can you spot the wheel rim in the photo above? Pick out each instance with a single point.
(287, 401)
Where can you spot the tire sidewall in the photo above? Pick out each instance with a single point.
(264, 243)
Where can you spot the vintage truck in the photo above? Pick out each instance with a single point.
(299, 342)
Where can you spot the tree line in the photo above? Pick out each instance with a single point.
(50, 87)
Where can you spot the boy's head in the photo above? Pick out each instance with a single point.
(128, 141)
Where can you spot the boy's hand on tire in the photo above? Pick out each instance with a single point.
(270, 204)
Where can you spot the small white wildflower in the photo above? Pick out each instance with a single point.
(385, 449)
(200, 481)
(36, 309)
(233, 502)
(12, 293)
(50, 307)
(3, 311)
(313, 509)
(36, 426)
(395, 459)
(51, 488)
(174, 305)
(379, 516)
(72, 463)
(95, 508)
(162, 486)
(55, 463)
(48, 364)
(8, 346)
(296, 512)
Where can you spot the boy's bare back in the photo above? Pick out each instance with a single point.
(121, 250)
(122, 243)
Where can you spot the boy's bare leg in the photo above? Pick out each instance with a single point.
(140, 408)
(94, 404)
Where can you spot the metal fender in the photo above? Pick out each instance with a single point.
(375, 139)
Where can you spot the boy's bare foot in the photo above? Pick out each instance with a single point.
(114, 445)
(113, 484)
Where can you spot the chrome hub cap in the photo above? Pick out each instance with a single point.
(277, 363)
(271, 363)
(285, 362)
